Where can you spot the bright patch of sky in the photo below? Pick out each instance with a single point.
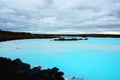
(60, 16)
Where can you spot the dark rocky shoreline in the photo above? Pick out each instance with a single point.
(18, 70)
(8, 35)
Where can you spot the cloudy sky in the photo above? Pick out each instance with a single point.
(60, 16)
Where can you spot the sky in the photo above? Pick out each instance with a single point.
(61, 16)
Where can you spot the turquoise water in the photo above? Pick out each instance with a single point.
(93, 59)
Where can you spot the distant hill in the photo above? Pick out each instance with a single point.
(9, 35)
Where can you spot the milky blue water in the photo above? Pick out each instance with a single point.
(93, 59)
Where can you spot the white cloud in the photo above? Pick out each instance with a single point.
(49, 20)
(60, 16)
(9, 24)
(6, 10)
(23, 4)
(110, 32)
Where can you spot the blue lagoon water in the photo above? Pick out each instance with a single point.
(93, 59)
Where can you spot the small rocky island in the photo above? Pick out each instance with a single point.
(18, 70)
(9, 35)
(66, 38)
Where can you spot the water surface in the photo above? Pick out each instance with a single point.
(93, 59)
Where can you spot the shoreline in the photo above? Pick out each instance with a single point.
(18, 70)
(8, 35)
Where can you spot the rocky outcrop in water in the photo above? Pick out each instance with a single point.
(18, 70)
(9, 35)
